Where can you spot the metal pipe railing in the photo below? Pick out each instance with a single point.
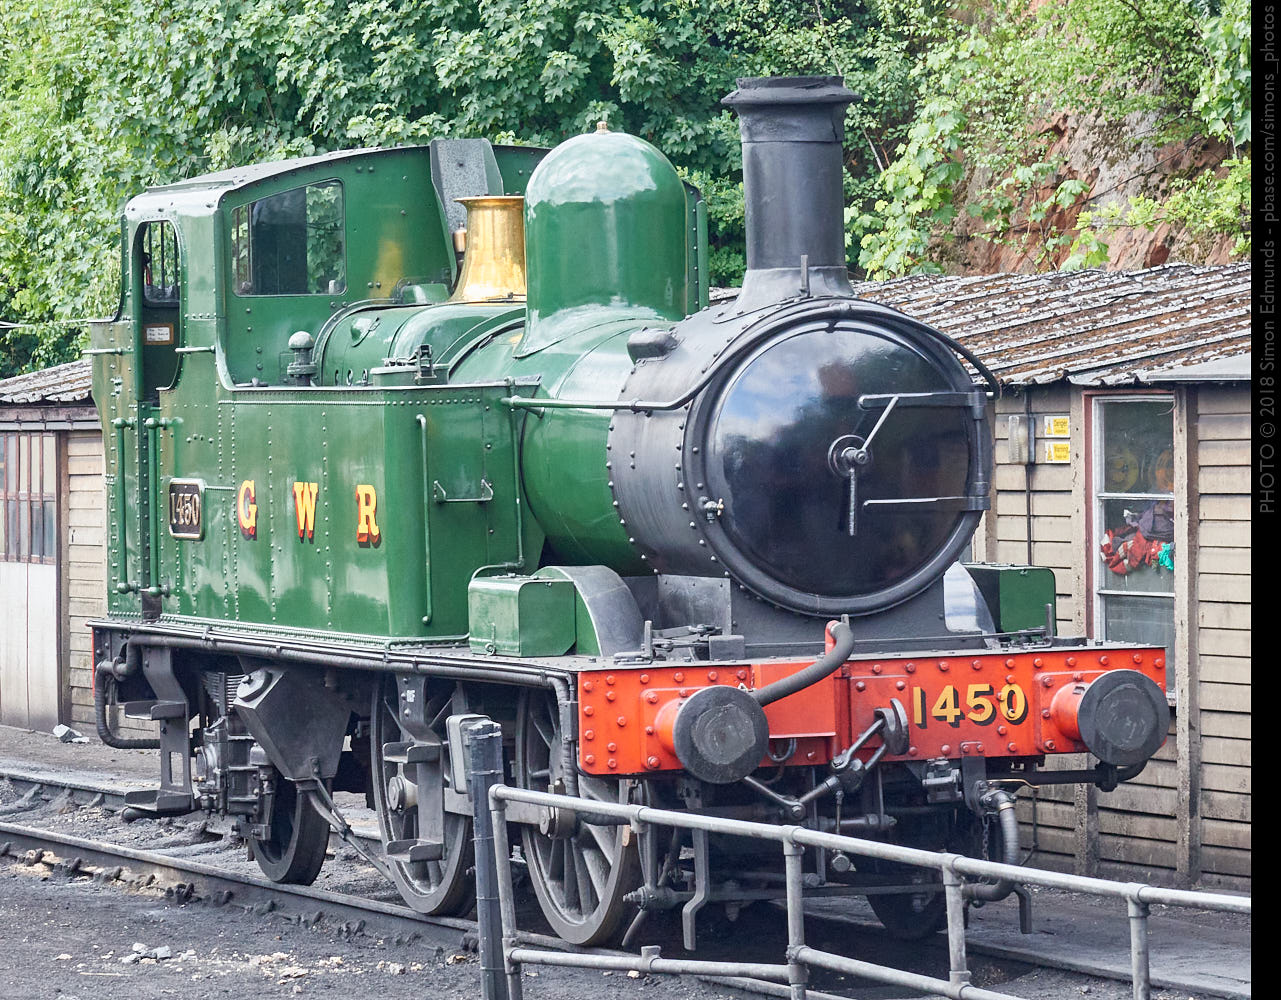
(491, 815)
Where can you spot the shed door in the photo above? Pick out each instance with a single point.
(29, 623)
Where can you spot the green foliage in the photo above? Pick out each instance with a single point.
(1223, 94)
(101, 98)
(919, 187)
(1205, 206)
(1154, 72)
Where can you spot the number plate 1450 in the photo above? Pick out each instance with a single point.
(980, 704)
(186, 498)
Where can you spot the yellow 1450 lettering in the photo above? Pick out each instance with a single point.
(982, 705)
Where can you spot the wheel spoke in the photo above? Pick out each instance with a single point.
(545, 730)
(603, 835)
(445, 709)
(587, 895)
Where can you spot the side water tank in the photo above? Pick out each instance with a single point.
(606, 233)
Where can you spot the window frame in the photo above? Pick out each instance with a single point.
(38, 449)
(234, 269)
(1093, 403)
(168, 239)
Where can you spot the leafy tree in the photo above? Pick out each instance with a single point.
(101, 98)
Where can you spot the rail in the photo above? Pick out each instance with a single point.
(502, 955)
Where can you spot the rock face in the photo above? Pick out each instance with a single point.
(1107, 158)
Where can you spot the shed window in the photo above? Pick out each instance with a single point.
(292, 243)
(1134, 520)
(28, 488)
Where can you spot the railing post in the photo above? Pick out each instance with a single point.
(1139, 970)
(485, 756)
(959, 973)
(506, 894)
(797, 974)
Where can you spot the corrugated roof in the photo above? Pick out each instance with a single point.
(69, 383)
(1088, 327)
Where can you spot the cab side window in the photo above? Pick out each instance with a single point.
(292, 243)
(159, 264)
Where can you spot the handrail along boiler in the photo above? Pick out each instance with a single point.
(397, 436)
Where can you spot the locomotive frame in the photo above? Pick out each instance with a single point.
(691, 555)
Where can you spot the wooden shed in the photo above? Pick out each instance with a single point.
(1122, 462)
(52, 552)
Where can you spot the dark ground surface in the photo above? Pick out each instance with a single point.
(66, 936)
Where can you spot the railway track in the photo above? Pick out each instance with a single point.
(183, 873)
(190, 879)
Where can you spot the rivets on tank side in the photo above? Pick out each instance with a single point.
(943, 666)
(1002, 730)
(946, 748)
(589, 685)
(612, 763)
(1137, 658)
(1010, 663)
(622, 721)
(876, 668)
(678, 677)
(860, 686)
(589, 759)
(1078, 676)
(910, 668)
(589, 735)
(1038, 663)
(588, 710)
(1070, 661)
(712, 675)
(1103, 660)
(652, 763)
(976, 664)
(900, 685)
(612, 747)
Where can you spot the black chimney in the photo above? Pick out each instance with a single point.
(792, 128)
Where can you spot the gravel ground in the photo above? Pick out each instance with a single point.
(71, 937)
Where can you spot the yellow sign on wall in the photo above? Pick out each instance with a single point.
(1058, 452)
(1056, 426)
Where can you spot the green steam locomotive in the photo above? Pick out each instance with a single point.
(401, 435)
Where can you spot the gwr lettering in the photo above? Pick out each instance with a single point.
(305, 508)
(367, 532)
